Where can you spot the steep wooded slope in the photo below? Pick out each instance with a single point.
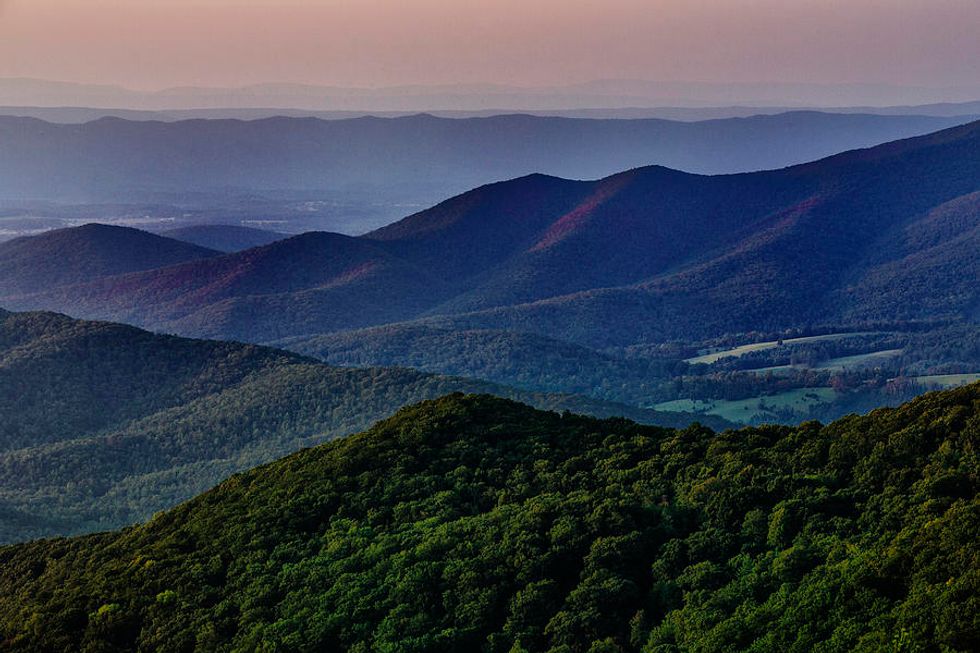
(473, 523)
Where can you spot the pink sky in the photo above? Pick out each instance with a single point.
(150, 44)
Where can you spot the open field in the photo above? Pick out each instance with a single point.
(713, 357)
(839, 364)
(754, 409)
(940, 381)
(860, 360)
(776, 370)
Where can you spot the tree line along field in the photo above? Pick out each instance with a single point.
(766, 408)
(942, 381)
(715, 356)
(823, 376)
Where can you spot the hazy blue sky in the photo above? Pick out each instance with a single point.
(149, 44)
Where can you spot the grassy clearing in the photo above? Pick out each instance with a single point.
(712, 357)
(777, 370)
(941, 381)
(840, 364)
(755, 409)
(860, 360)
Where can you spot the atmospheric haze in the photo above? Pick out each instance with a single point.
(155, 44)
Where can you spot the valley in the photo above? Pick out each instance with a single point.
(104, 424)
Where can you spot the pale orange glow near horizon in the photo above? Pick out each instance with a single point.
(152, 44)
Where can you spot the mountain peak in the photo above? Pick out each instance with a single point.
(91, 251)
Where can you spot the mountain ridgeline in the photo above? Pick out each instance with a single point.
(101, 425)
(884, 234)
(420, 157)
(474, 523)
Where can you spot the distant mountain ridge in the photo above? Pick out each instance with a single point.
(418, 158)
(83, 114)
(641, 256)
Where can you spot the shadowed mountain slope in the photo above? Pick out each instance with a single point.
(304, 284)
(92, 251)
(224, 237)
(641, 256)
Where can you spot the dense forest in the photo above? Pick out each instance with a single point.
(471, 523)
(101, 424)
(522, 360)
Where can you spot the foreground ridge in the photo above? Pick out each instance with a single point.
(476, 523)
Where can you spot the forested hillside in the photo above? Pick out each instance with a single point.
(519, 359)
(473, 523)
(102, 425)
